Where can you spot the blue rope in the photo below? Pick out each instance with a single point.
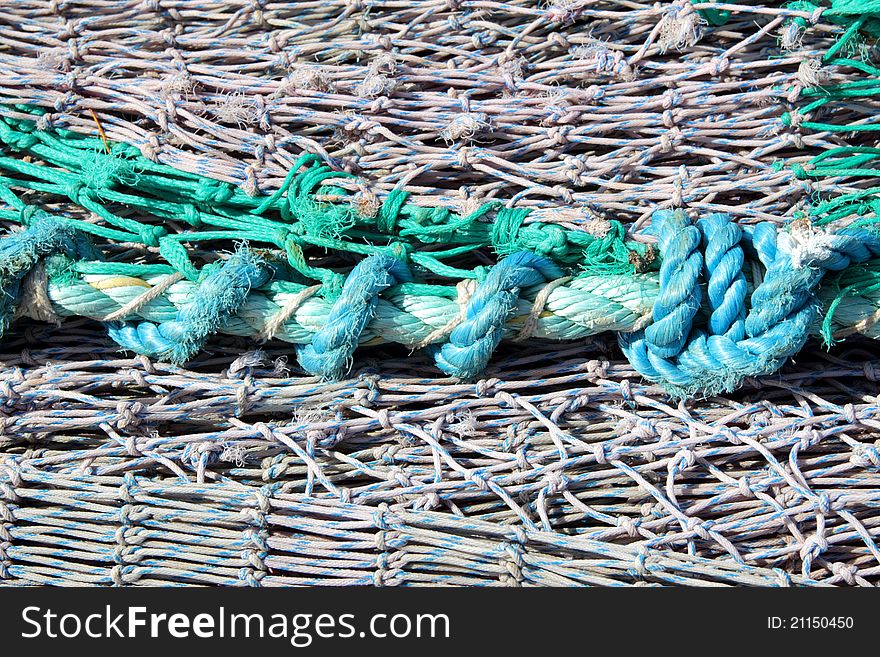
(726, 287)
(737, 343)
(742, 336)
(680, 295)
(20, 252)
(472, 342)
(650, 351)
(330, 352)
(223, 289)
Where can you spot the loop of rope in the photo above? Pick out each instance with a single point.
(737, 342)
(472, 342)
(330, 351)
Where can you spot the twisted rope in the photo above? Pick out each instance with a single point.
(472, 342)
(21, 251)
(378, 303)
(218, 296)
(735, 344)
(330, 350)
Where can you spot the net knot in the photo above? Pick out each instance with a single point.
(212, 192)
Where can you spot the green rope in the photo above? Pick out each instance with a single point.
(824, 110)
(121, 185)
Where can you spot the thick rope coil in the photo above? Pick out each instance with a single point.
(219, 295)
(472, 342)
(727, 286)
(783, 309)
(330, 352)
(20, 252)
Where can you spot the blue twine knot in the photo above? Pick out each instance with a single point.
(330, 352)
(472, 342)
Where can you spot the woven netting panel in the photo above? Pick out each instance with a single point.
(560, 466)
(580, 108)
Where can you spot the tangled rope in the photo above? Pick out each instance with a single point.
(762, 284)
(315, 207)
(736, 342)
(378, 302)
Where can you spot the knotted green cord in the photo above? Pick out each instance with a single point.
(606, 297)
(310, 211)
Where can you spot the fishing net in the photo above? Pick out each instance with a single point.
(326, 293)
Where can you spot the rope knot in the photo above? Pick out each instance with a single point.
(719, 65)
(77, 188)
(553, 241)
(212, 192)
(467, 126)
(151, 235)
(472, 342)
(192, 215)
(22, 251)
(865, 456)
(738, 341)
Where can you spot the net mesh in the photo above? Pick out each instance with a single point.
(559, 466)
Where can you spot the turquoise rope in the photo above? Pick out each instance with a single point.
(742, 336)
(472, 342)
(784, 307)
(221, 292)
(330, 351)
